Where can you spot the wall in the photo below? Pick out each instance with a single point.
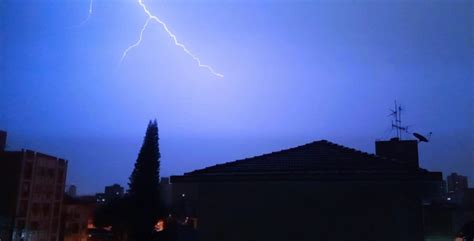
(77, 218)
(41, 189)
(299, 211)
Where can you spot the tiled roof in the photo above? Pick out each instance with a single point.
(315, 158)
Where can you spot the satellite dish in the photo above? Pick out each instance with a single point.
(420, 137)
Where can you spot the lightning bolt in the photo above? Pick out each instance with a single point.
(88, 15)
(172, 36)
(137, 43)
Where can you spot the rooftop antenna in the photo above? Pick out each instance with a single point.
(400, 129)
(397, 122)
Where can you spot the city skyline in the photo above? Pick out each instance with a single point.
(294, 73)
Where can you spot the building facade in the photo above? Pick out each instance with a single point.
(456, 182)
(110, 193)
(31, 187)
(114, 191)
(77, 218)
(72, 190)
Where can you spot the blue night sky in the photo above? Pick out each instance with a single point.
(295, 71)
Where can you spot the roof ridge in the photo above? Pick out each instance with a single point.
(257, 156)
(315, 155)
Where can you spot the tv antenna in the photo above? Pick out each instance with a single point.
(397, 121)
(400, 129)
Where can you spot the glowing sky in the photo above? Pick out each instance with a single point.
(295, 71)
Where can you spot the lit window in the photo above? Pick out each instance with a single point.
(160, 225)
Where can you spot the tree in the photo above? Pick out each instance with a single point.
(144, 187)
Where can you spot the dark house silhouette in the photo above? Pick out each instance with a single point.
(318, 191)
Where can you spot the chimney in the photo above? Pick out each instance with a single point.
(405, 151)
(3, 140)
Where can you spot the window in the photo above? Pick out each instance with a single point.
(20, 225)
(35, 209)
(28, 170)
(60, 175)
(56, 209)
(25, 190)
(34, 226)
(23, 208)
(51, 173)
(55, 223)
(59, 192)
(40, 171)
(46, 209)
(75, 228)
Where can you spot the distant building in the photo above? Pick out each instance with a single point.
(457, 182)
(443, 188)
(72, 190)
(110, 193)
(3, 140)
(318, 191)
(77, 218)
(114, 191)
(447, 217)
(100, 198)
(31, 188)
(166, 194)
(457, 188)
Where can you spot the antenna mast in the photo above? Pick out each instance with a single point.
(397, 125)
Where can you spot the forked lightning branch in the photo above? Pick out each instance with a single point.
(154, 18)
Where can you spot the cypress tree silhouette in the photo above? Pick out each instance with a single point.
(144, 187)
